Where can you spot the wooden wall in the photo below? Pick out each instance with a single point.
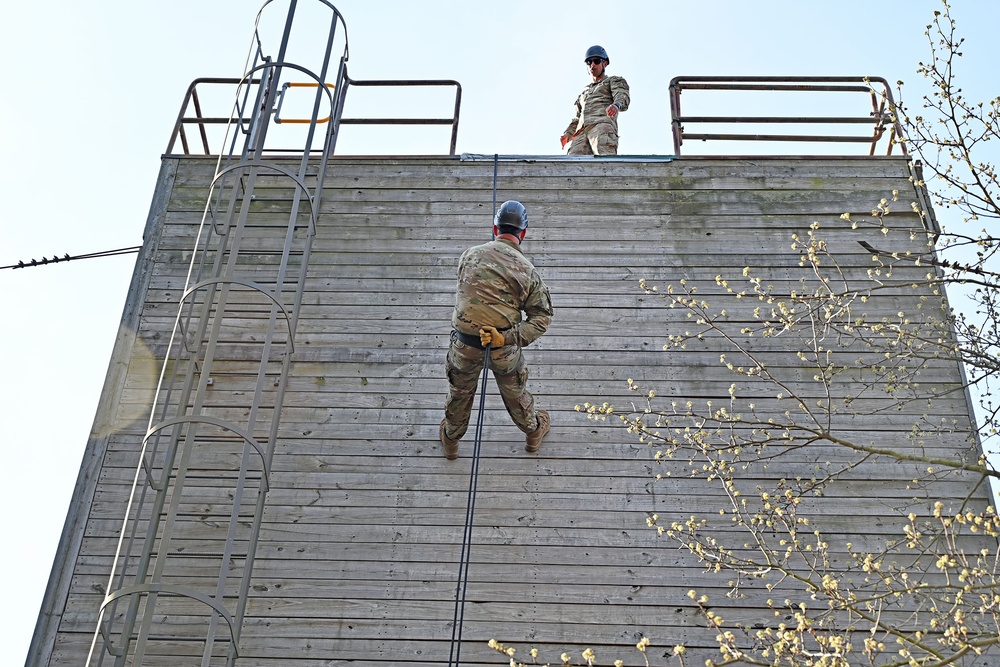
(358, 560)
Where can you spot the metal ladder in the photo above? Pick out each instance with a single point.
(181, 575)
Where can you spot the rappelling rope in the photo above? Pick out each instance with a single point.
(496, 160)
(470, 503)
(470, 509)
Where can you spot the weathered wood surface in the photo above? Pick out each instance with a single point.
(360, 545)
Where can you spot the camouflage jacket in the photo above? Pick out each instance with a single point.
(592, 104)
(496, 282)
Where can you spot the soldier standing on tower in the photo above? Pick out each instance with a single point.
(594, 128)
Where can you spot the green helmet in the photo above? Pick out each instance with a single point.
(597, 52)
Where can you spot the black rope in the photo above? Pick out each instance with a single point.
(470, 509)
(67, 257)
(470, 504)
(496, 159)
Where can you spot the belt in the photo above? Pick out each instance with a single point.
(470, 340)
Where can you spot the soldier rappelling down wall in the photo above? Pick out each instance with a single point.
(594, 128)
(496, 282)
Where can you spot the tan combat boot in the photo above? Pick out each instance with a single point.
(450, 446)
(534, 439)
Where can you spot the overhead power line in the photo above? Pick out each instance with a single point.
(55, 259)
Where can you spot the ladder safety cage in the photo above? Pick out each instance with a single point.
(881, 117)
(188, 540)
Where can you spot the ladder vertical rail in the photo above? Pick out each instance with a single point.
(186, 447)
(143, 560)
(194, 515)
(148, 542)
(187, 452)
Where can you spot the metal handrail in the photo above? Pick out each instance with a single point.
(201, 121)
(453, 121)
(281, 100)
(881, 118)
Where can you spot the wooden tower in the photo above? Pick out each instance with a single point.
(337, 537)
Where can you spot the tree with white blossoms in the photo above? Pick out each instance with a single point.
(804, 594)
(951, 134)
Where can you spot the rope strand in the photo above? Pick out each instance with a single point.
(496, 161)
(67, 257)
(470, 504)
(470, 509)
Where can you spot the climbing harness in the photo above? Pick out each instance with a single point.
(470, 508)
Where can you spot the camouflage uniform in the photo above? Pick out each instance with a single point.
(495, 283)
(593, 131)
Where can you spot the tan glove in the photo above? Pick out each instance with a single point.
(490, 336)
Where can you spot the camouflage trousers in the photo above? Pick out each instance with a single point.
(599, 139)
(464, 365)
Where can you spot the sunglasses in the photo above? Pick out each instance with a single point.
(593, 61)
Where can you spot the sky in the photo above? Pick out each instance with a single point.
(93, 89)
